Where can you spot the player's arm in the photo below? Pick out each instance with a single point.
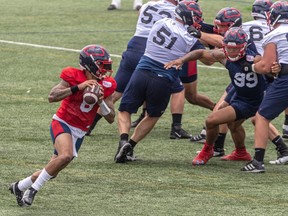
(207, 57)
(265, 65)
(211, 39)
(63, 90)
(60, 91)
(106, 109)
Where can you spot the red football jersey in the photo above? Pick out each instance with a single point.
(73, 109)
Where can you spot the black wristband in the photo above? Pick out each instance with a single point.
(74, 89)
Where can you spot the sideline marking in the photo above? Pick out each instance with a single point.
(75, 50)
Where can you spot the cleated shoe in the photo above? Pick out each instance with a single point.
(282, 157)
(200, 138)
(254, 166)
(280, 161)
(137, 121)
(112, 7)
(237, 156)
(18, 193)
(123, 149)
(204, 156)
(177, 132)
(218, 152)
(130, 155)
(29, 196)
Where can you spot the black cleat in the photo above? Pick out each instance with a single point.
(130, 155)
(200, 138)
(29, 196)
(18, 193)
(218, 152)
(123, 149)
(177, 132)
(254, 166)
(112, 7)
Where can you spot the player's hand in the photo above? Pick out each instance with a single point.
(176, 63)
(100, 94)
(194, 32)
(276, 68)
(87, 83)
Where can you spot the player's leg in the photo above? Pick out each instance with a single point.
(213, 121)
(133, 98)
(177, 108)
(238, 135)
(157, 87)
(274, 102)
(115, 4)
(281, 147)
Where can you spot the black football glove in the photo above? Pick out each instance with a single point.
(194, 32)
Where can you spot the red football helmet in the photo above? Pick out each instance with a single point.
(235, 38)
(96, 60)
(226, 18)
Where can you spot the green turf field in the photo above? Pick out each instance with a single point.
(163, 182)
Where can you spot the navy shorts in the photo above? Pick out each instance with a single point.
(177, 86)
(230, 94)
(146, 86)
(130, 59)
(244, 109)
(276, 98)
(230, 86)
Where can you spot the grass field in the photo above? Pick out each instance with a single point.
(163, 182)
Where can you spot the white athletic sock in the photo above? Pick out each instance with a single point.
(25, 183)
(40, 181)
(137, 3)
(117, 3)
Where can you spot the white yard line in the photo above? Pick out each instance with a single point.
(75, 50)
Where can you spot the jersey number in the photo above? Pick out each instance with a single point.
(160, 38)
(148, 14)
(250, 79)
(256, 33)
(84, 107)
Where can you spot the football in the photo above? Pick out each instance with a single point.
(90, 95)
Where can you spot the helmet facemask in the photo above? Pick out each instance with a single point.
(96, 60)
(235, 44)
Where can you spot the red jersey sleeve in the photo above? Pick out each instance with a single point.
(73, 76)
(109, 85)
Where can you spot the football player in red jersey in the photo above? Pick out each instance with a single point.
(73, 118)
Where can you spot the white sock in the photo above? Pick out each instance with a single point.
(137, 3)
(25, 183)
(117, 3)
(40, 181)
